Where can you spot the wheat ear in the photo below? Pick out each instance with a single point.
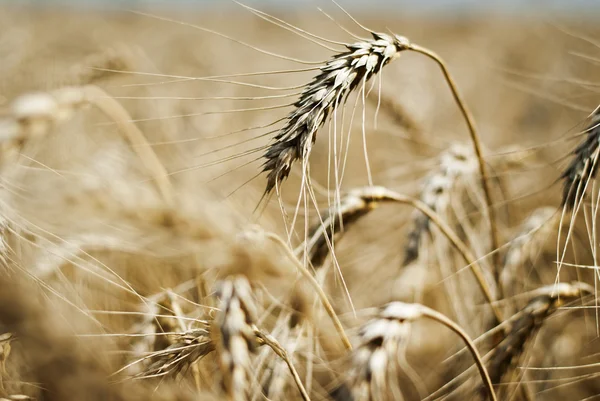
(455, 165)
(341, 75)
(525, 323)
(186, 349)
(33, 115)
(584, 164)
(352, 207)
(234, 336)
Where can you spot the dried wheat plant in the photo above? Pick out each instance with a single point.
(382, 339)
(131, 271)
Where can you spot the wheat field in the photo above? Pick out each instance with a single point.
(239, 204)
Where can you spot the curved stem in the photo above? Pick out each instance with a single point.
(373, 195)
(460, 246)
(272, 343)
(485, 377)
(485, 181)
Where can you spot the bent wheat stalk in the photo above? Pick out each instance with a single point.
(369, 197)
(339, 77)
(475, 138)
(382, 334)
(271, 342)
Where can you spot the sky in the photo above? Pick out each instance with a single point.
(585, 7)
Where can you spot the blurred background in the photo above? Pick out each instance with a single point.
(529, 70)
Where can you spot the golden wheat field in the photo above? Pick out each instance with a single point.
(240, 204)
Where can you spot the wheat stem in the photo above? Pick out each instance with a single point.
(487, 382)
(272, 343)
(460, 246)
(485, 183)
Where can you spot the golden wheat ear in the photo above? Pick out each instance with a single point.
(339, 77)
(523, 326)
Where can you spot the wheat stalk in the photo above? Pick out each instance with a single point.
(368, 197)
(341, 75)
(379, 341)
(475, 138)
